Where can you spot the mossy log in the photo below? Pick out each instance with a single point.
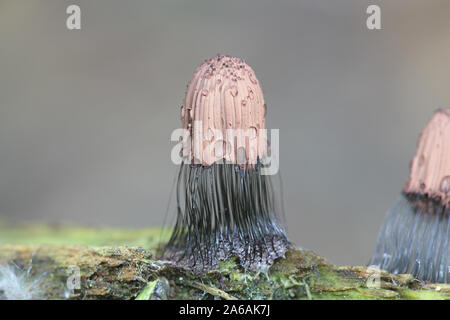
(121, 264)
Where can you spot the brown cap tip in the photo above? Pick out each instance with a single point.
(224, 95)
(430, 168)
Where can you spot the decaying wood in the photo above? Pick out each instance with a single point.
(121, 264)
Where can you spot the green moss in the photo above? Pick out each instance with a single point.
(329, 278)
(423, 295)
(66, 235)
(120, 264)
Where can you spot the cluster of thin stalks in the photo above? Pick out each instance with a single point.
(226, 210)
(414, 239)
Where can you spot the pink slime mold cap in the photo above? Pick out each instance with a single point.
(430, 168)
(224, 114)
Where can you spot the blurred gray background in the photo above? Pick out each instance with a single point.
(86, 116)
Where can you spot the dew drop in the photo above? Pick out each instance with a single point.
(207, 75)
(204, 92)
(251, 77)
(250, 93)
(234, 91)
(445, 185)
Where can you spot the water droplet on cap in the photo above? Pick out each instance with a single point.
(250, 93)
(251, 77)
(445, 185)
(234, 91)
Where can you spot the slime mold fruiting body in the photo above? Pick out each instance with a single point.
(415, 235)
(226, 206)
